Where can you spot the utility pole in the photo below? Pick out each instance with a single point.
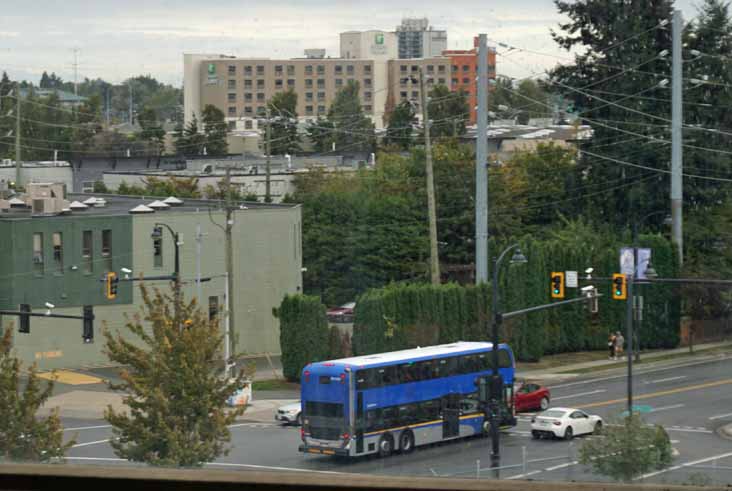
(268, 144)
(676, 136)
(108, 104)
(129, 84)
(434, 257)
(76, 71)
(17, 135)
(481, 168)
(229, 251)
(199, 240)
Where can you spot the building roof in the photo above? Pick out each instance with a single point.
(529, 132)
(121, 205)
(63, 96)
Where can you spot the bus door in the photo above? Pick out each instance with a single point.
(359, 422)
(451, 415)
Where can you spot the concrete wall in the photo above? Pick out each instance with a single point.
(191, 87)
(267, 261)
(41, 173)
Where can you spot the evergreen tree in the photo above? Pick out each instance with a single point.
(399, 130)
(152, 130)
(23, 435)
(283, 130)
(214, 130)
(448, 112)
(173, 385)
(353, 131)
(321, 134)
(191, 141)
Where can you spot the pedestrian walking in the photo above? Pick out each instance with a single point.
(619, 345)
(611, 346)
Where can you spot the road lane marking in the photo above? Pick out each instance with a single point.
(519, 476)
(87, 428)
(664, 408)
(90, 443)
(688, 430)
(664, 380)
(271, 467)
(579, 395)
(561, 466)
(720, 416)
(253, 425)
(658, 394)
(687, 464)
(105, 459)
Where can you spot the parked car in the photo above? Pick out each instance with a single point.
(290, 414)
(344, 313)
(564, 422)
(531, 396)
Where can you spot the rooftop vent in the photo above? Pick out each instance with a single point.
(141, 209)
(158, 205)
(172, 201)
(90, 201)
(77, 205)
(100, 203)
(16, 203)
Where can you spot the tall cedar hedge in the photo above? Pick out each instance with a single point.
(304, 333)
(408, 315)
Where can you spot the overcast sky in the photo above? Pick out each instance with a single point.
(122, 38)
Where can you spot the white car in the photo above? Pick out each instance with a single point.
(564, 422)
(290, 413)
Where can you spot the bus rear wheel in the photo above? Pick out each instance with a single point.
(386, 445)
(406, 441)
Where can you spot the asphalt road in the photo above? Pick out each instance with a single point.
(692, 402)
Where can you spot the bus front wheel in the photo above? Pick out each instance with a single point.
(386, 445)
(406, 441)
(486, 427)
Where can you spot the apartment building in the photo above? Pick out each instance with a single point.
(404, 83)
(464, 74)
(417, 39)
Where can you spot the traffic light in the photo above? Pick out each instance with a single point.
(88, 330)
(112, 282)
(24, 319)
(620, 291)
(557, 285)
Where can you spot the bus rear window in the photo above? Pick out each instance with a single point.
(324, 379)
(324, 409)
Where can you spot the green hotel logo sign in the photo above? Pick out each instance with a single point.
(211, 69)
(212, 78)
(378, 48)
(379, 38)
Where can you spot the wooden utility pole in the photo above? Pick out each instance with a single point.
(268, 149)
(17, 135)
(229, 252)
(434, 256)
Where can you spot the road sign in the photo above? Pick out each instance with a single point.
(570, 279)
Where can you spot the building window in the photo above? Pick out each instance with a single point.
(290, 82)
(158, 251)
(247, 70)
(367, 108)
(415, 94)
(232, 70)
(454, 68)
(260, 70)
(261, 111)
(367, 69)
(430, 68)
(308, 69)
(231, 124)
(367, 83)
(403, 94)
(247, 84)
(321, 109)
(260, 97)
(248, 123)
(349, 69)
(232, 97)
(466, 68)
(278, 70)
(247, 109)
(87, 248)
(309, 110)
(58, 252)
(321, 69)
(321, 83)
(403, 68)
(339, 82)
(309, 82)
(466, 80)
(213, 308)
(278, 83)
(308, 96)
(454, 81)
(107, 248)
(367, 96)
(247, 96)
(260, 84)
(231, 84)
(87, 187)
(441, 81)
(38, 253)
(415, 68)
(290, 70)
(232, 111)
(430, 81)
(338, 69)
(441, 68)
(321, 96)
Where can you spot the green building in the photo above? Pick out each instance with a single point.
(60, 258)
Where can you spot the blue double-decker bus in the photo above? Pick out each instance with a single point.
(393, 402)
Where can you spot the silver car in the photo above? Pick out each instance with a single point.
(290, 413)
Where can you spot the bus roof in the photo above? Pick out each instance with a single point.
(415, 353)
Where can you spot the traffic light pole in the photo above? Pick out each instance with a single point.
(629, 334)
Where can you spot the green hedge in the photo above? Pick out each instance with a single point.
(304, 333)
(403, 316)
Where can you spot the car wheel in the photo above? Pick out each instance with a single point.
(568, 433)
(386, 445)
(298, 419)
(544, 403)
(535, 435)
(406, 441)
(598, 428)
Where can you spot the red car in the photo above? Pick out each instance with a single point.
(344, 313)
(531, 396)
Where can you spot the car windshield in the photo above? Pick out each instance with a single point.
(210, 209)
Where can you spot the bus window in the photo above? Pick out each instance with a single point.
(406, 373)
(374, 420)
(361, 379)
(390, 416)
(389, 375)
(408, 414)
(424, 368)
(324, 409)
(504, 359)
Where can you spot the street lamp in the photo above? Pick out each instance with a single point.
(157, 233)
(496, 381)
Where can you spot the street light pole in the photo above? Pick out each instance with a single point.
(496, 383)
